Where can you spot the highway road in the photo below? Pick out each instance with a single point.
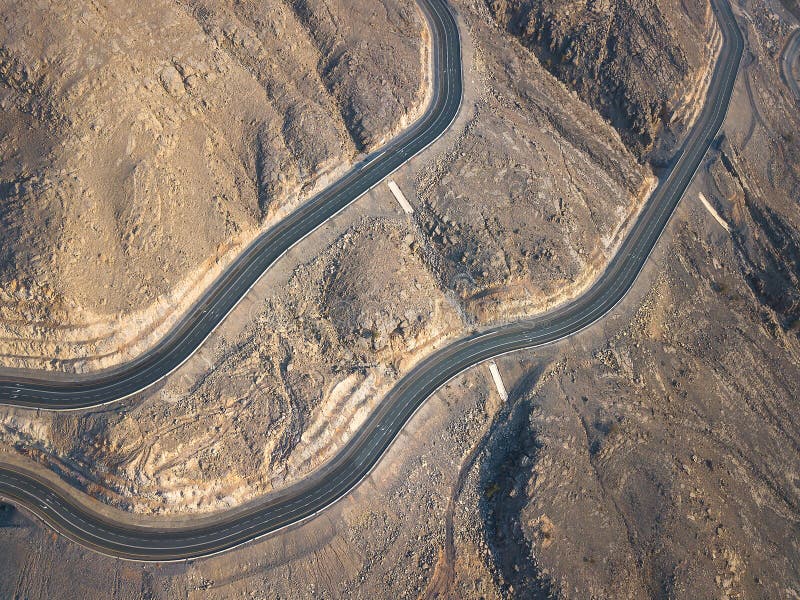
(790, 63)
(309, 496)
(93, 389)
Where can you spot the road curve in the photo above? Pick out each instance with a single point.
(790, 63)
(101, 387)
(309, 496)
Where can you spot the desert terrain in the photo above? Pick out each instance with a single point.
(653, 455)
(505, 227)
(150, 144)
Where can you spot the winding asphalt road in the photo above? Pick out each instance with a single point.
(101, 387)
(366, 447)
(790, 63)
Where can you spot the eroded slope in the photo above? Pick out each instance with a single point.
(527, 206)
(518, 210)
(145, 142)
(280, 398)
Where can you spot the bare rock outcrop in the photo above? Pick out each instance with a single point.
(632, 60)
(279, 400)
(145, 143)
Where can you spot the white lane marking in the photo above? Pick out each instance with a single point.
(713, 212)
(627, 267)
(401, 199)
(498, 381)
(374, 158)
(436, 58)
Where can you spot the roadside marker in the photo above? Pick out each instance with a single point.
(401, 199)
(498, 381)
(713, 212)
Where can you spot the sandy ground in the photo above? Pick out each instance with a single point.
(654, 455)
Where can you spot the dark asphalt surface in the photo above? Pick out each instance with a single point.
(97, 388)
(366, 447)
(790, 69)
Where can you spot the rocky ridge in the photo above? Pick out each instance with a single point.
(146, 143)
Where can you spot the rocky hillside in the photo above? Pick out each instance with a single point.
(653, 455)
(517, 208)
(632, 60)
(657, 459)
(317, 356)
(144, 142)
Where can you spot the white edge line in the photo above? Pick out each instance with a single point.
(411, 416)
(295, 243)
